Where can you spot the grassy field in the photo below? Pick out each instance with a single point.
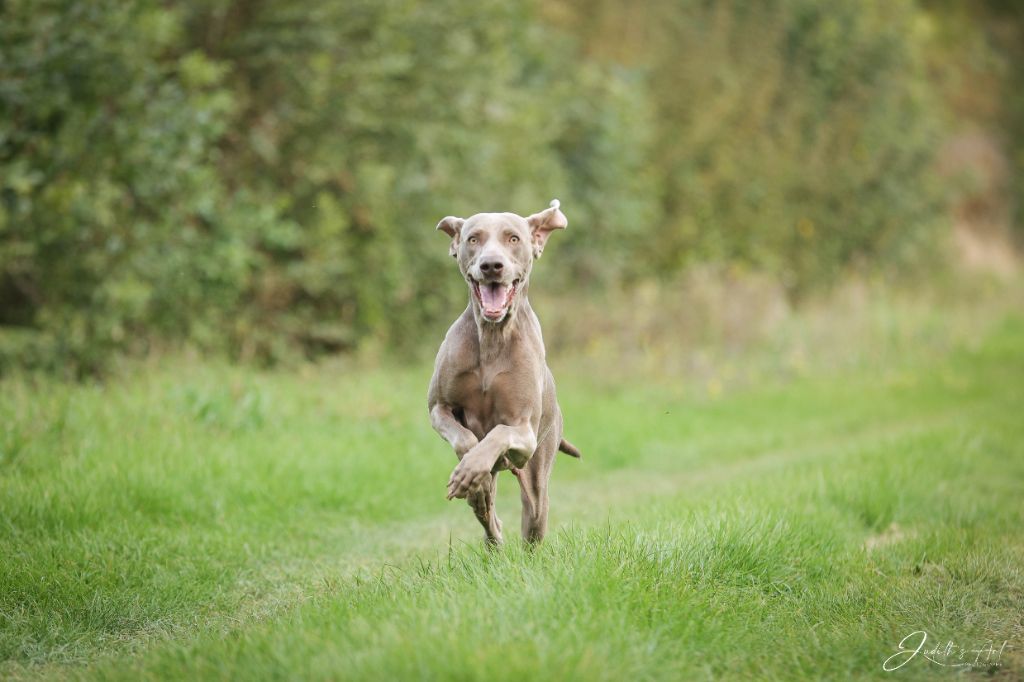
(193, 520)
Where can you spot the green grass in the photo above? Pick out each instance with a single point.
(201, 521)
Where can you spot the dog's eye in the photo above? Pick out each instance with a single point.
(473, 240)
(513, 239)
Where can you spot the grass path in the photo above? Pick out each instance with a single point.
(203, 521)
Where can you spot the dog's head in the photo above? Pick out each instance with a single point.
(495, 252)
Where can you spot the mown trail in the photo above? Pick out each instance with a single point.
(201, 521)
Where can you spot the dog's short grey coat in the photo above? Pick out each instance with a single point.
(492, 396)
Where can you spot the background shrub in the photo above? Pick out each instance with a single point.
(262, 179)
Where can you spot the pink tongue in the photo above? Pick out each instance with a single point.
(493, 296)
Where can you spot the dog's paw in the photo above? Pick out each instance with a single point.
(468, 476)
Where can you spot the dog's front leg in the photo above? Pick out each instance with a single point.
(517, 442)
(458, 436)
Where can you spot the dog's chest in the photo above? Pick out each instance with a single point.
(480, 387)
(484, 393)
(489, 378)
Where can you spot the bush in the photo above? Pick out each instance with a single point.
(262, 179)
(792, 136)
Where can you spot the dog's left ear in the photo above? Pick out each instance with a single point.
(452, 226)
(544, 223)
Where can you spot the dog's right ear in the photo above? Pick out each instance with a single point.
(452, 226)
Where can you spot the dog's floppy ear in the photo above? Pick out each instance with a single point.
(452, 226)
(544, 223)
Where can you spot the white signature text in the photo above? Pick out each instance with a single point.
(950, 655)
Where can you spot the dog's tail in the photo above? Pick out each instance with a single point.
(569, 449)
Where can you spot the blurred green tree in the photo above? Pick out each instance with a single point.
(791, 136)
(107, 180)
(262, 178)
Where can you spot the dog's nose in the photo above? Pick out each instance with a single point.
(489, 266)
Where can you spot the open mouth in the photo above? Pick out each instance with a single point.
(494, 297)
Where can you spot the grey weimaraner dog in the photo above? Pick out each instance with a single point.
(492, 396)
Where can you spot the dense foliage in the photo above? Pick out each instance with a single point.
(263, 178)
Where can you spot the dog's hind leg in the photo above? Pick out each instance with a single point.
(533, 489)
(482, 502)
